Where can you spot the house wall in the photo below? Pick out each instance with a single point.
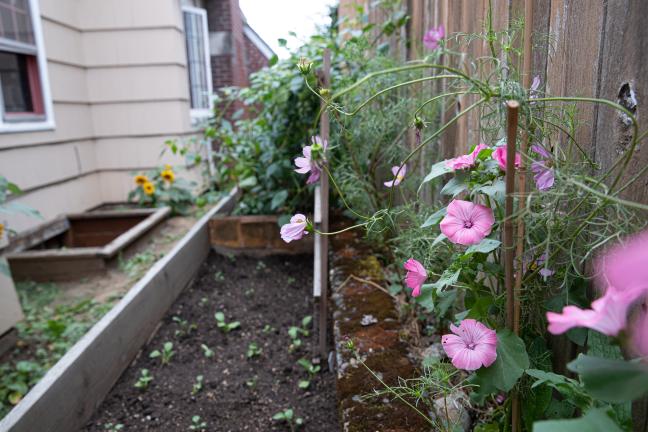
(119, 84)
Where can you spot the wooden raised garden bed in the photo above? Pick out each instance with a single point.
(74, 387)
(76, 245)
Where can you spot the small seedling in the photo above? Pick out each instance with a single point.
(291, 280)
(261, 266)
(288, 416)
(248, 292)
(110, 427)
(295, 332)
(165, 355)
(254, 350)
(144, 380)
(185, 327)
(198, 385)
(204, 301)
(268, 329)
(252, 382)
(219, 276)
(224, 326)
(209, 353)
(312, 371)
(231, 257)
(197, 424)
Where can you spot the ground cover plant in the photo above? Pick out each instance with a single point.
(580, 231)
(49, 329)
(244, 379)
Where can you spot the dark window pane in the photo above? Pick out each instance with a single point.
(14, 78)
(196, 56)
(15, 21)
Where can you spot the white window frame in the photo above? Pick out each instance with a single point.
(200, 114)
(48, 122)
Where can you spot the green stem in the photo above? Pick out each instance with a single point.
(341, 194)
(340, 231)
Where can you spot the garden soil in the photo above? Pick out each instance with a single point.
(239, 393)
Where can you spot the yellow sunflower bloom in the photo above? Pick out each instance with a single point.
(168, 175)
(149, 188)
(141, 179)
(168, 167)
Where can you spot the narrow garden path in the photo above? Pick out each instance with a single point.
(249, 373)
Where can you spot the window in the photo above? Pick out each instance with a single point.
(198, 67)
(23, 103)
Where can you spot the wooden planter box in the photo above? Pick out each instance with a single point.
(76, 245)
(73, 388)
(255, 235)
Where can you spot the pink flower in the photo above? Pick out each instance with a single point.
(433, 36)
(467, 160)
(399, 176)
(466, 223)
(609, 314)
(415, 277)
(500, 156)
(625, 266)
(306, 163)
(294, 230)
(543, 174)
(472, 345)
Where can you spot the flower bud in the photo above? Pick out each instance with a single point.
(418, 122)
(325, 93)
(304, 66)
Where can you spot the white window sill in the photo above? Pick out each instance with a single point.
(26, 126)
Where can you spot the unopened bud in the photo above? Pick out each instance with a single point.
(325, 93)
(418, 122)
(304, 66)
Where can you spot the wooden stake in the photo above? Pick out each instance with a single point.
(324, 224)
(524, 146)
(509, 253)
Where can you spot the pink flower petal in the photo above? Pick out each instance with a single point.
(467, 223)
(472, 345)
(415, 277)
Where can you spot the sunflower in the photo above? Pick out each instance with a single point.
(149, 188)
(141, 179)
(168, 167)
(168, 175)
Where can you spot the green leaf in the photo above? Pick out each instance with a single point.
(303, 384)
(279, 199)
(454, 187)
(219, 316)
(512, 360)
(441, 237)
(496, 191)
(435, 218)
(282, 42)
(438, 169)
(248, 182)
(485, 246)
(611, 380)
(448, 277)
(596, 420)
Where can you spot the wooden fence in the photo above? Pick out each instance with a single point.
(584, 48)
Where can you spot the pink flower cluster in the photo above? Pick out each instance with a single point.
(433, 36)
(623, 271)
(469, 160)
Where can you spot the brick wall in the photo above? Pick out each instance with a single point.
(255, 58)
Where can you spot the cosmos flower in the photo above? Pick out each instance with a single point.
(471, 346)
(543, 173)
(399, 175)
(467, 223)
(433, 36)
(415, 277)
(296, 229)
(309, 162)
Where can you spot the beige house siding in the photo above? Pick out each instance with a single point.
(119, 86)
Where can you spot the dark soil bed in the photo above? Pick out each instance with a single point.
(239, 393)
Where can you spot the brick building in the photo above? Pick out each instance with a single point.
(236, 50)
